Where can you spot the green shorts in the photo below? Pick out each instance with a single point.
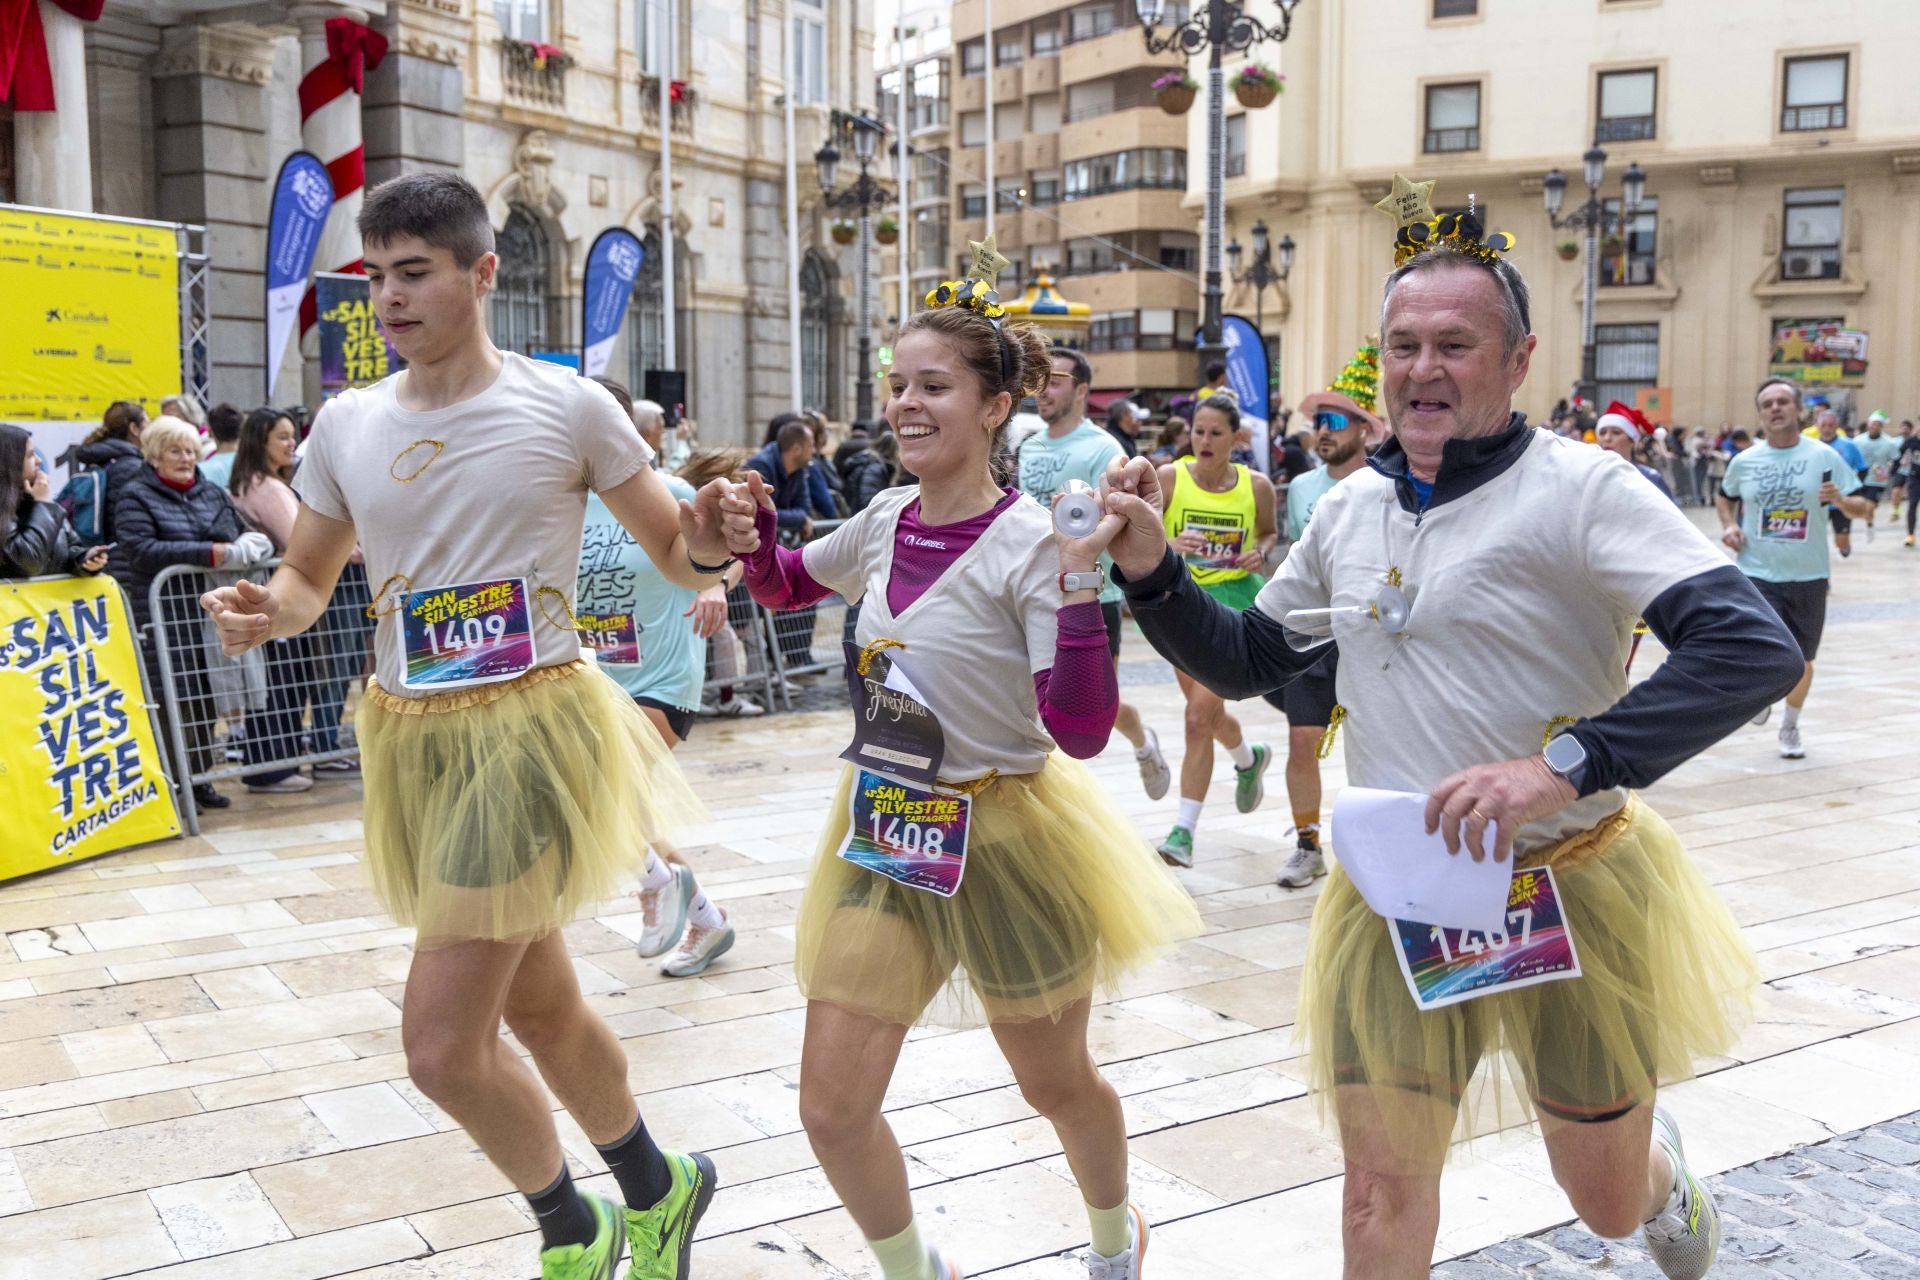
(1238, 594)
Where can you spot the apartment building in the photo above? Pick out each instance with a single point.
(922, 44)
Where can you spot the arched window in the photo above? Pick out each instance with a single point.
(645, 326)
(521, 286)
(819, 352)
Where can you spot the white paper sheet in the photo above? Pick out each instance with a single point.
(1403, 873)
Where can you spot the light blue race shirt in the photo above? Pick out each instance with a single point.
(1880, 452)
(1304, 492)
(617, 578)
(1046, 465)
(1785, 524)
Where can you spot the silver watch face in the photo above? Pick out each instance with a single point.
(1565, 754)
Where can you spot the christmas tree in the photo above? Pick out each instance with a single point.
(1360, 380)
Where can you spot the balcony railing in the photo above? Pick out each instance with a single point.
(1439, 140)
(1625, 129)
(534, 73)
(681, 103)
(1798, 119)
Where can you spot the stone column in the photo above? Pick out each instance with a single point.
(210, 85)
(412, 112)
(120, 102)
(769, 349)
(52, 146)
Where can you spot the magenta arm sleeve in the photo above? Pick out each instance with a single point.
(1080, 694)
(776, 576)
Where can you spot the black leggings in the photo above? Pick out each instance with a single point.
(1913, 499)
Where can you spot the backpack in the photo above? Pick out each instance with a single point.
(85, 501)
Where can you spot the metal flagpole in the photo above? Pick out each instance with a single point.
(903, 168)
(988, 50)
(669, 353)
(793, 225)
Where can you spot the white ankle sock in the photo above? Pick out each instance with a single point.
(703, 912)
(657, 874)
(1242, 755)
(1189, 813)
(1790, 716)
(903, 1257)
(1151, 745)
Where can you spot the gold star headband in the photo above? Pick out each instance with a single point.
(975, 291)
(1410, 205)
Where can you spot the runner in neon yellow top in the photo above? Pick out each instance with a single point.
(1220, 517)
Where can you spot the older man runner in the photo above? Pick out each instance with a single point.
(1826, 428)
(1527, 558)
(1880, 450)
(1774, 506)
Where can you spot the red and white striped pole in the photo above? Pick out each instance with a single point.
(337, 60)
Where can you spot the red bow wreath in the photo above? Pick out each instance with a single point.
(26, 74)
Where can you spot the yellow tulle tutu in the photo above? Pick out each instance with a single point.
(1060, 897)
(497, 812)
(1665, 978)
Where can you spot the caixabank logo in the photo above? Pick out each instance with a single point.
(76, 315)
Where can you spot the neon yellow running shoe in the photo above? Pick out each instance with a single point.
(596, 1261)
(662, 1237)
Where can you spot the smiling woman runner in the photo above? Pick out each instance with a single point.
(961, 836)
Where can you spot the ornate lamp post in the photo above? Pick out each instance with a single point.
(1219, 26)
(864, 194)
(1592, 219)
(1262, 275)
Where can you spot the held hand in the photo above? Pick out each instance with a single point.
(702, 525)
(1734, 537)
(1830, 494)
(1503, 797)
(42, 487)
(709, 612)
(95, 560)
(1189, 543)
(1080, 555)
(740, 513)
(1251, 561)
(1132, 491)
(243, 615)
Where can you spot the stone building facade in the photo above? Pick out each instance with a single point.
(184, 110)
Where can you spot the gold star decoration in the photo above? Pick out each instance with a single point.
(1409, 203)
(987, 261)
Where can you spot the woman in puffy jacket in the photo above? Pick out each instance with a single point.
(35, 538)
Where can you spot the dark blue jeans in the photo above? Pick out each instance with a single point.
(339, 653)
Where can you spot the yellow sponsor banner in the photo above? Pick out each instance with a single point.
(89, 314)
(80, 767)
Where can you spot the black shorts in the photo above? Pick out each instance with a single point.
(1840, 520)
(679, 719)
(1308, 701)
(1873, 492)
(1111, 612)
(1803, 607)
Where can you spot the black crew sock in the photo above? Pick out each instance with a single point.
(563, 1216)
(639, 1166)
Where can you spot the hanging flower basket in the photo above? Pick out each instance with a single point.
(1175, 92)
(886, 231)
(843, 232)
(1256, 86)
(1568, 250)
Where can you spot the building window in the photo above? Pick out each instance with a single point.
(646, 329)
(1453, 117)
(517, 318)
(1455, 8)
(1117, 332)
(1009, 47)
(973, 201)
(521, 19)
(1180, 250)
(1236, 146)
(929, 239)
(1626, 106)
(1148, 167)
(1816, 94)
(973, 58)
(1085, 101)
(1091, 21)
(1632, 260)
(1045, 190)
(1810, 246)
(1154, 329)
(1046, 41)
(1085, 257)
(809, 52)
(1009, 195)
(973, 128)
(1626, 357)
(930, 175)
(818, 351)
(932, 90)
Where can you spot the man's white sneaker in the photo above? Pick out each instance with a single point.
(1128, 1265)
(1766, 714)
(700, 948)
(1790, 748)
(943, 1269)
(1684, 1237)
(1155, 776)
(1301, 867)
(663, 912)
(739, 706)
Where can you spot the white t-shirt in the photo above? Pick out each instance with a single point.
(1525, 593)
(503, 496)
(974, 639)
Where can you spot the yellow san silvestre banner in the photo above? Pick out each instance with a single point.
(80, 767)
(89, 314)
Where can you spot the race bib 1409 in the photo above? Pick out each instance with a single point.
(470, 634)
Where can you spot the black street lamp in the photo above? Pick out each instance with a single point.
(1262, 275)
(1220, 26)
(1593, 219)
(863, 133)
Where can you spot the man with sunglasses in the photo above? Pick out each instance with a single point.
(1341, 430)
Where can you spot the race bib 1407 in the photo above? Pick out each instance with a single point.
(1447, 966)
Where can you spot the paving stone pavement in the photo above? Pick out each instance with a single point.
(1835, 1210)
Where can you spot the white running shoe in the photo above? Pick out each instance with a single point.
(1127, 1265)
(1301, 867)
(1684, 1237)
(663, 912)
(1766, 714)
(1790, 748)
(700, 948)
(744, 708)
(1155, 776)
(944, 1269)
(292, 784)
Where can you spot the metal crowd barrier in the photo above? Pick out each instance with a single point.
(806, 642)
(737, 656)
(261, 716)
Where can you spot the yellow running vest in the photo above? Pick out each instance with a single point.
(1226, 520)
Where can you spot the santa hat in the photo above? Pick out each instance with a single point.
(1629, 420)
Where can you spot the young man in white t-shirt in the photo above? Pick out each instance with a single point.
(471, 469)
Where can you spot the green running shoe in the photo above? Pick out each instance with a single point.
(1177, 849)
(596, 1261)
(1249, 786)
(662, 1237)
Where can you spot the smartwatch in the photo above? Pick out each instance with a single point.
(1566, 757)
(1085, 580)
